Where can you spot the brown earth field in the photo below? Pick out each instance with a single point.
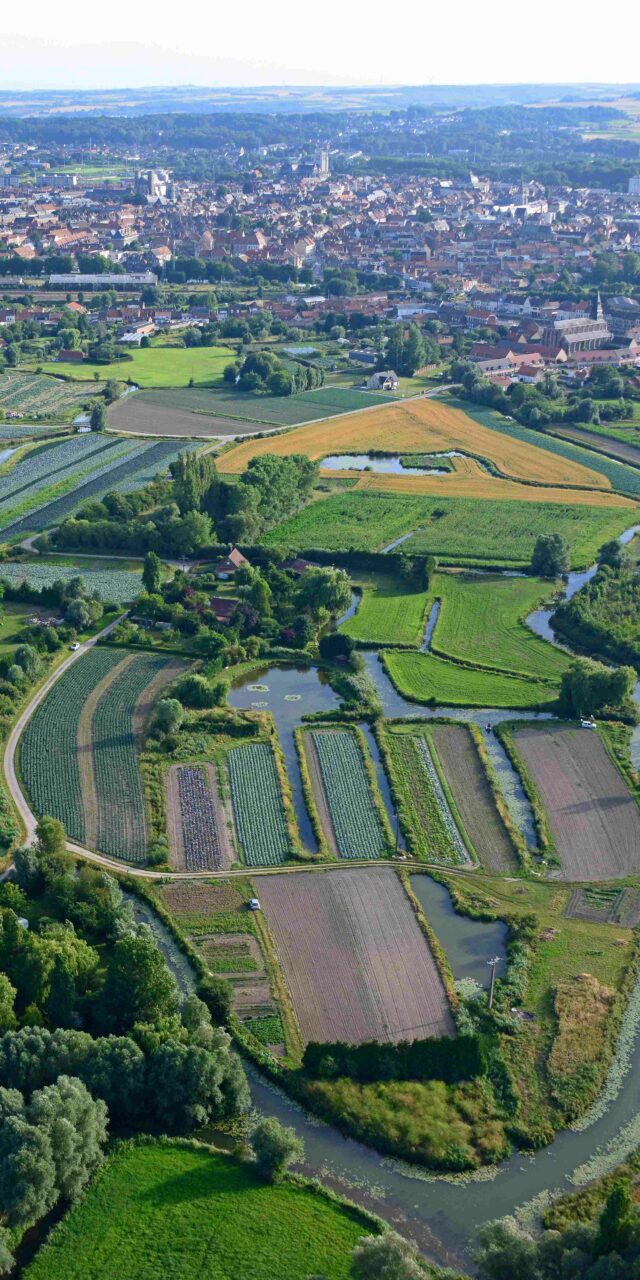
(195, 897)
(138, 417)
(464, 771)
(594, 820)
(354, 958)
(603, 444)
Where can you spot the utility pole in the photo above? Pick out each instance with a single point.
(493, 964)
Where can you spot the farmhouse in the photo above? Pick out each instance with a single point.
(385, 381)
(226, 568)
(222, 607)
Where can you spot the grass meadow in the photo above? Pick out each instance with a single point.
(458, 530)
(166, 1208)
(155, 366)
(423, 677)
(389, 612)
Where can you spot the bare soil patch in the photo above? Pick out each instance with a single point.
(472, 793)
(593, 818)
(354, 957)
(595, 904)
(131, 414)
(234, 954)
(85, 754)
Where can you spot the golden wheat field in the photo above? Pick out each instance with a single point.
(470, 481)
(419, 426)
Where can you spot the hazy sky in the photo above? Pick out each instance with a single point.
(84, 45)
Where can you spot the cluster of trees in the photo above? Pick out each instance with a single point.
(550, 556)
(270, 489)
(538, 405)
(185, 515)
(608, 1249)
(603, 618)
(406, 353)
(436, 1058)
(262, 371)
(588, 687)
(93, 1030)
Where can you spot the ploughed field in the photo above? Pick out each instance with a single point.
(593, 819)
(354, 958)
(463, 769)
(79, 752)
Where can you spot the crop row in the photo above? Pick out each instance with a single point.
(356, 823)
(258, 806)
(139, 458)
(426, 820)
(49, 760)
(118, 586)
(198, 818)
(32, 393)
(49, 460)
(121, 825)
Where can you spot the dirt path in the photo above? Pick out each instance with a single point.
(85, 753)
(319, 793)
(174, 818)
(224, 818)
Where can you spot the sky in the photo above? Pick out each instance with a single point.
(154, 42)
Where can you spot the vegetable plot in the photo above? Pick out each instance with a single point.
(356, 823)
(257, 805)
(199, 822)
(49, 746)
(121, 823)
(119, 586)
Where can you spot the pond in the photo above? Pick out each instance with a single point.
(389, 466)
(470, 944)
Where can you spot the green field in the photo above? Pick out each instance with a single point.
(164, 1209)
(260, 818)
(156, 366)
(49, 762)
(354, 817)
(277, 411)
(389, 612)
(422, 677)
(481, 622)
(455, 529)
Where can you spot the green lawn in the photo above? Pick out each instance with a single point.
(422, 677)
(481, 621)
(12, 619)
(165, 1209)
(156, 366)
(454, 529)
(389, 612)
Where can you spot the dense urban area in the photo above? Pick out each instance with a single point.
(319, 684)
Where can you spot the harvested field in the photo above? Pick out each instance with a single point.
(197, 824)
(594, 821)
(189, 898)
(465, 774)
(354, 957)
(423, 426)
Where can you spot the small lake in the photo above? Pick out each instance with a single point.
(470, 944)
(388, 466)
